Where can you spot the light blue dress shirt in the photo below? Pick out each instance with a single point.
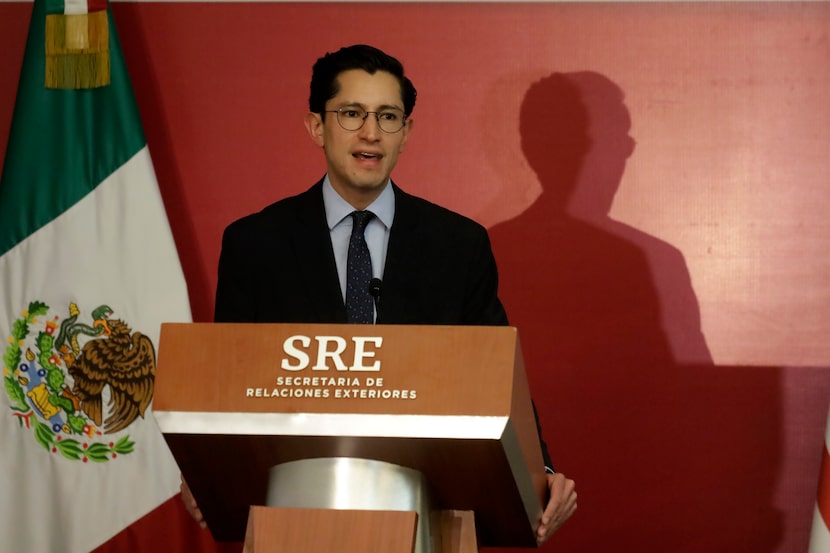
(340, 229)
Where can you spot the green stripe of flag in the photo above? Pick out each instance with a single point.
(62, 143)
(55, 6)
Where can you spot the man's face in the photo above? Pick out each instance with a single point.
(360, 162)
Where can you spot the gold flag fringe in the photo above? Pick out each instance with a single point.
(77, 50)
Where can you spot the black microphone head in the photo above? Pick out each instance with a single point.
(375, 286)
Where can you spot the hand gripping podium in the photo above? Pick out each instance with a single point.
(353, 436)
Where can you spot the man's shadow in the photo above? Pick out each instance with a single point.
(670, 453)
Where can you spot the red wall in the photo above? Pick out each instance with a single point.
(655, 180)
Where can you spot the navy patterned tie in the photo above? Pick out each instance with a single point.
(359, 306)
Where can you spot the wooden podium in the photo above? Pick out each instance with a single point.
(235, 400)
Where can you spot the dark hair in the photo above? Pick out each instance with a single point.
(324, 85)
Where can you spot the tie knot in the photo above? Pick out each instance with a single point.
(361, 219)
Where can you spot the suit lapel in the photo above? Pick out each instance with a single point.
(404, 263)
(310, 237)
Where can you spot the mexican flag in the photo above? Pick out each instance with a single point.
(88, 271)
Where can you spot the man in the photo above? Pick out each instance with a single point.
(291, 261)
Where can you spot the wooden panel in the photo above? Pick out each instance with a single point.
(457, 532)
(213, 368)
(278, 530)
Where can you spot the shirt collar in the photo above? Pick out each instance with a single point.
(338, 209)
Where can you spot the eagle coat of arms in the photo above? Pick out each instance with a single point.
(77, 383)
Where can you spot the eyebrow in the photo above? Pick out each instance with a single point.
(364, 107)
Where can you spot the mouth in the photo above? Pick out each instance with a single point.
(367, 155)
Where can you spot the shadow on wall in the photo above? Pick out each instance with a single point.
(670, 453)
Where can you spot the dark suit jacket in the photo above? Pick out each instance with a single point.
(278, 266)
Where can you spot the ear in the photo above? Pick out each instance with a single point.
(407, 129)
(314, 126)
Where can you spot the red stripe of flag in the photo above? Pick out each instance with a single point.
(823, 499)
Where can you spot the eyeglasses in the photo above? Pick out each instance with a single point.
(352, 118)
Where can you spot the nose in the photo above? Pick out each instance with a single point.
(371, 126)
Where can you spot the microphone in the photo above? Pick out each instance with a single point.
(375, 287)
